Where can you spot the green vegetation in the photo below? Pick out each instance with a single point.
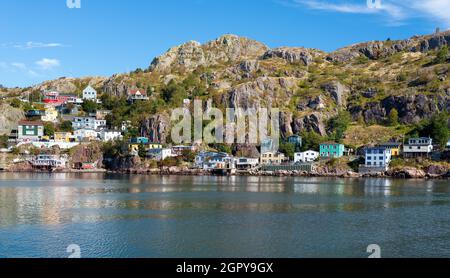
(393, 117)
(66, 126)
(339, 125)
(441, 56)
(224, 148)
(49, 129)
(16, 103)
(288, 149)
(436, 128)
(3, 141)
(141, 151)
(89, 106)
(173, 94)
(311, 140)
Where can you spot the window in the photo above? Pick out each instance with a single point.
(369, 158)
(369, 163)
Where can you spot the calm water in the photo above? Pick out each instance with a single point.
(143, 216)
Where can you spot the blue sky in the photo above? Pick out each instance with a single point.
(44, 39)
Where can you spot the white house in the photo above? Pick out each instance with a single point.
(30, 131)
(53, 161)
(85, 134)
(88, 123)
(378, 157)
(213, 160)
(110, 135)
(178, 150)
(308, 156)
(418, 147)
(160, 154)
(134, 95)
(89, 93)
(244, 163)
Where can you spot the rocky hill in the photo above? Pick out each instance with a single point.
(310, 86)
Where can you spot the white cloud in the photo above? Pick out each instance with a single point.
(32, 45)
(48, 64)
(395, 11)
(20, 66)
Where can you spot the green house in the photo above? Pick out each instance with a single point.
(331, 149)
(30, 131)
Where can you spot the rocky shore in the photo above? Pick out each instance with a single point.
(406, 173)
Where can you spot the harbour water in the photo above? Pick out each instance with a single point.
(200, 217)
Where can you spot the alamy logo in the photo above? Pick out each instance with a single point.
(242, 126)
(374, 4)
(73, 4)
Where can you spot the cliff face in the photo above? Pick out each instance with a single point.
(9, 118)
(308, 85)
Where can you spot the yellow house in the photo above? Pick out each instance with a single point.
(51, 114)
(269, 158)
(134, 147)
(395, 147)
(152, 146)
(63, 137)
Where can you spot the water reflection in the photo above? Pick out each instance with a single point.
(122, 215)
(63, 198)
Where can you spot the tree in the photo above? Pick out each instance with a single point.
(16, 103)
(223, 148)
(49, 129)
(438, 129)
(311, 141)
(142, 152)
(89, 106)
(441, 56)
(66, 126)
(393, 117)
(188, 156)
(288, 149)
(339, 124)
(3, 141)
(173, 93)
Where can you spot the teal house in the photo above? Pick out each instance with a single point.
(331, 150)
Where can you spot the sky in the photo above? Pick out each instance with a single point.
(45, 39)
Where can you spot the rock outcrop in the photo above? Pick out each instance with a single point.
(337, 91)
(381, 49)
(411, 108)
(293, 55)
(9, 118)
(157, 128)
(191, 55)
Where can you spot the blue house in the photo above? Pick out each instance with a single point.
(296, 140)
(139, 140)
(378, 157)
(331, 149)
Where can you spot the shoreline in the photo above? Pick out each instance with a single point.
(198, 172)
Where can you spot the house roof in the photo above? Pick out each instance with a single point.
(89, 88)
(330, 143)
(390, 144)
(31, 123)
(134, 92)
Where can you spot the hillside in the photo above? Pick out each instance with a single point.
(310, 86)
